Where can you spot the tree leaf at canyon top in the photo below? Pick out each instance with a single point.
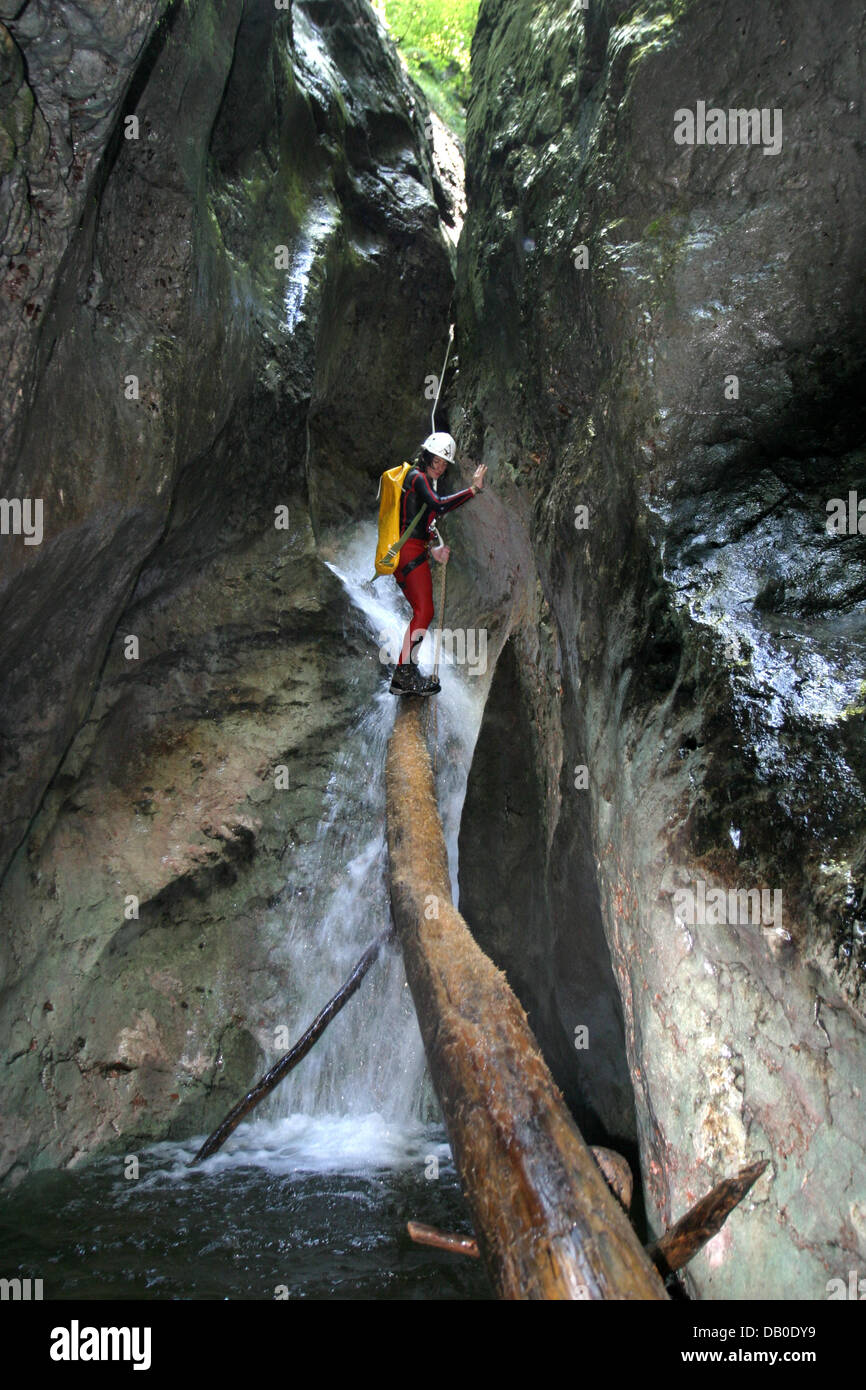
(434, 37)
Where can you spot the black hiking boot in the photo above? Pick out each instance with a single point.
(402, 681)
(427, 685)
(407, 680)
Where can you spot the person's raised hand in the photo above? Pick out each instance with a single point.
(478, 477)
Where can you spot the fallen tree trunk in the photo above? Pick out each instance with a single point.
(547, 1225)
(295, 1054)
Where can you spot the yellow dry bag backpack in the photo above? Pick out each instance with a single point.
(390, 540)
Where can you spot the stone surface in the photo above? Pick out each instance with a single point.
(705, 629)
(272, 259)
(696, 647)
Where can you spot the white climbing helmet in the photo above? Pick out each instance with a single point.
(442, 445)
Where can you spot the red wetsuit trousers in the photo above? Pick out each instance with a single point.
(418, 588)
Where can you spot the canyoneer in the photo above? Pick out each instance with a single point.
(413, 575)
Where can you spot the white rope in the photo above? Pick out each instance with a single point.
(441, 378)
(437, 648)
(438, 640)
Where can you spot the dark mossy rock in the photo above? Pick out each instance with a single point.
(707, 631)
(266, 256)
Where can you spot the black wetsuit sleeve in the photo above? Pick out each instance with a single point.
(440, 505)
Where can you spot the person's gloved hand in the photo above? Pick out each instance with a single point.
(441, 553)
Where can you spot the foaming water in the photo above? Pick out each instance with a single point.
(301, 1144)
(311, 1198)
(302, 1209)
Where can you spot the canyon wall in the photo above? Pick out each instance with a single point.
(229, 261)
(662, 361)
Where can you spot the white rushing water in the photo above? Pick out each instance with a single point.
(362, 1095)
(318, 227)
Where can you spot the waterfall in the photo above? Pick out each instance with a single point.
(363, 1091)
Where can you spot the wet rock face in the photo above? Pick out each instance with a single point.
(65, 71)
(671, 336)
(238, 309)
(545, 931)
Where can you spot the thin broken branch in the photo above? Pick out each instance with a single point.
(703, 1221)
(295, 1054)
(442, 1240)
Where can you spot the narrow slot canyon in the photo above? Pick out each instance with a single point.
(235, 236)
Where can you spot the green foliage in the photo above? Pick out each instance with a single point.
(434, 37)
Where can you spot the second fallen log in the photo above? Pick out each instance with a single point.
(547, 1225)
(704, 1220)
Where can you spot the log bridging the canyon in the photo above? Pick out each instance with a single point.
(546, 1223)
